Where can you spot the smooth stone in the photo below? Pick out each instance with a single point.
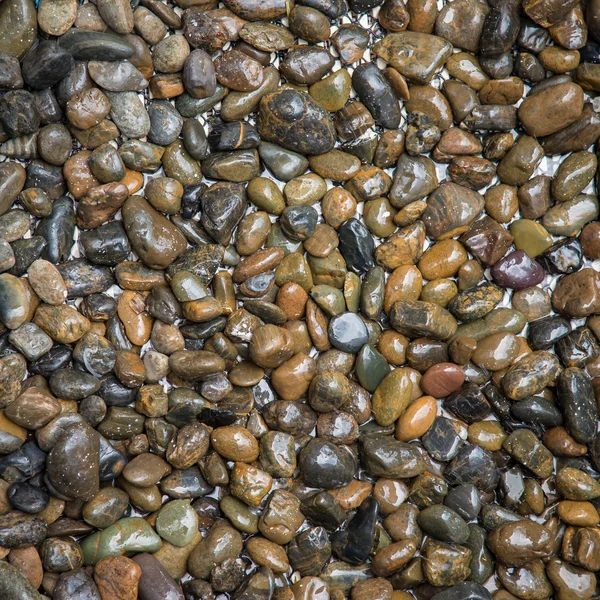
(284, 164)
(12, 180)
(473, 465)
(95, 45)
(76, 585)
(153, 237)
(155, 582)
(515, 544)
(294, 120)
(177, 523)
(552, 109)
(76, 451)
(419, 318)
(518, 271)
(443, 523)
(223, 206)
(46, 65)
(530, 374)
(324, 465)
(19, 27)
(386, 457)
(129, 114)
(333, 91)
(14, 585)
(567, 218)
(526, 449)
(306, 65)
(377, 95)
(118, 577)
(131, 534)
(451, 209)
(463, 591)
(417, 56)
(371, 368)
(18, 530)
(354, 543)
(576, 398)
(544, 333)
(347, 332)
(392, 396)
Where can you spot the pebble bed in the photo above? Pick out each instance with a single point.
(299, 301)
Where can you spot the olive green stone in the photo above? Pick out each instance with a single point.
(567, 218)
(333, 91)
(335, 165)
(371, 367)
(379, 216)
(294, 268)
(371, 294)
(278, 239)
(304, 190)
(574, 484)
(526, 449)
(329, 270)
(264, 193)
(330, 299)
(132, 534)
(392, 396)
(530, 236)
(497, 321)
(177, 523)
(18, 26)
(240, 514)
(352, 291)
(239, 166)
(574, 174)
(179, 165)
(14, 585)
(154, 238)
(237, 105)
(283, 163)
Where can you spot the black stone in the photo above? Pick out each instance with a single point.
(442, 441)
(46, 65)
(354, 543)
(377, 95)
(564, 257)
(544, 333)
(27, 462)
(323, 510)
(58, 230)
(467, 590)
(465, 500)
(83, 278)
(576, 396)
(19, 114)
(26, 250)
(468, 403)
(473, 464)
(114, 393)
(537, 410)
(325, 465)
(356, 246)
(223, 205)
(106, 245)
(299, 222)
(577, 348)
(28, 498)
(95, 45)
